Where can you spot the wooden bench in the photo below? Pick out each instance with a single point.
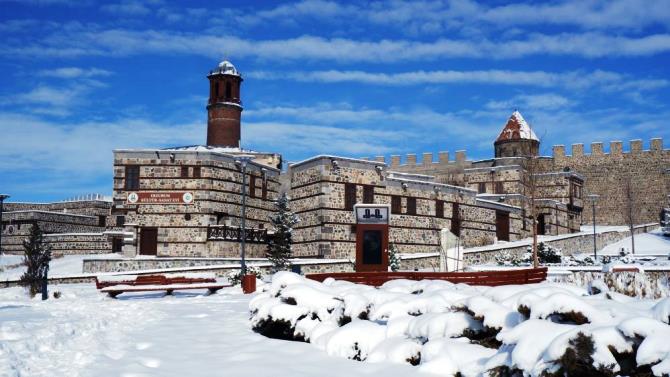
(158, 282)
(488, 278)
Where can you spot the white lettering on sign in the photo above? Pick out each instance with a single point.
(367, 214)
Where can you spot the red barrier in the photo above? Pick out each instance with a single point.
(248, 284)
(488, 278)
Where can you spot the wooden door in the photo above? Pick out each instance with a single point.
(502, 226)
(149, 241)
(372, 247)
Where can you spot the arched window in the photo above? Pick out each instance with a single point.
(228, 91)
(216, 91)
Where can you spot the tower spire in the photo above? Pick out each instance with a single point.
(224, 108)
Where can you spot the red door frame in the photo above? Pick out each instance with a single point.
(383, 267)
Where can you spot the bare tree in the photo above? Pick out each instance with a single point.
(630, 209)
(529, 180)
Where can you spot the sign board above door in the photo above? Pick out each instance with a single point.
(372, 213)
(160, 198)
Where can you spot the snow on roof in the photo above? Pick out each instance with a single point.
(225, 67)
(516, 129)
(209, 148)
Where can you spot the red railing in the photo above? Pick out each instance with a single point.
(488, 278)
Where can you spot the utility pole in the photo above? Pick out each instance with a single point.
(2, 199)
(242, 163)
(593, 198)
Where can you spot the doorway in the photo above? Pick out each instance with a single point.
(149, 241)
(502, 226)
(541, 225)
(371, 247)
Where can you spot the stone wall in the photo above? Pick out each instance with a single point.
(568, 244)
(606, 175)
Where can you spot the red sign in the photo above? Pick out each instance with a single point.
(160, 198)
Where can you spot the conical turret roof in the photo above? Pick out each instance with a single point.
(516, 129)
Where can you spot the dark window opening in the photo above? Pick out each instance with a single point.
(102, 220)
(481, 187)
(523, 220)
(196, 172)
(184, 171)
(456, 220)
(411, 206)
(500, 189)
(216, 91)
(132, 177)
(439, 208)
(368, 194)
(229, 91)
(396, 206)
(221, 218)
(120, 220)
(502, 226)
(252, 186)
(349, 196)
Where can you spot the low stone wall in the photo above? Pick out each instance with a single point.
(648, 284)
(568, 244)
(65, 243)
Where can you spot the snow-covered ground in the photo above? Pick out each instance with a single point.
(653, 243)
(85, 333)
(65, 265)
(449, 329)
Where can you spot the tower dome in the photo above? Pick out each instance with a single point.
(517, 139)
(225, 68)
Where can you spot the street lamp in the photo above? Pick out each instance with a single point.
(242, 163)
(594, 198)
(2, 199)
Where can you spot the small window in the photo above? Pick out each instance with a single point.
(184, 171)
(102, 220)
(221, 218)
(368, 194)
(132, 177)
(456, 220)
(216, 91)
(196, 172)
(396, 206)
(481, 187)
(349, 196)
(252, 186)
(120, 220)
(500, 189)
(265, 188)
(411, 206)
(439, 208)
(229, 91)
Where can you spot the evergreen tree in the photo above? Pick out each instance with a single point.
(394, 258)
(37, 257)
(279, 240)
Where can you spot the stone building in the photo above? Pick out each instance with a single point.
(70, 227)
(324, 190)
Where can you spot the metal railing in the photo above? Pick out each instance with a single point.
(230, 233)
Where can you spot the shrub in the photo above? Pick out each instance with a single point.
(235, 277)
(37, 257)
(394, 258)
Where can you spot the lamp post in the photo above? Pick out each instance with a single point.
(594, 198)
(242, 163)
(2, 199)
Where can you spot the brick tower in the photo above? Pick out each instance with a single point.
(224, 109)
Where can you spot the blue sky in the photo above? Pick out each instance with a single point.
(81, 78)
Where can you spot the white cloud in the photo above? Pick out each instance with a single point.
(74, 72)
(119, 42)
(610, 81)
(546, 101)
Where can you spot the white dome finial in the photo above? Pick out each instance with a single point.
(226, 67)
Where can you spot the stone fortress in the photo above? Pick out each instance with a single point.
(186, 202)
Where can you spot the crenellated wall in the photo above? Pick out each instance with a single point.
(606, 174)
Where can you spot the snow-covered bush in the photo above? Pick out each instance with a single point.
(507, 258)
(454, 329)
(545, 254)
(235, 277)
